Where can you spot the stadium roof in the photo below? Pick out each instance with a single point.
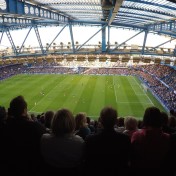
(131, 12)
(157, 16)
(138, 12)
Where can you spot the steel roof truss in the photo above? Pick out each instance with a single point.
(90, 38)
(11, 40)
(161, 44)
(144, 42)
(72, 38)
(127, 40)
(2, 36)
(38, 38)
(55, 37)
(25, 40)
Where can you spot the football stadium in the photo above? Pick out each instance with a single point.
(84, 82)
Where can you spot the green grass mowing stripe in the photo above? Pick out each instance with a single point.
(143, 100)
(110, 98)
(75, 97)
(56, 93)
(83, 95)
(125, 94)
(129, 102)
(42, 88)
(98, 97)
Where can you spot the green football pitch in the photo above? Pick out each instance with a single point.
(79, 93)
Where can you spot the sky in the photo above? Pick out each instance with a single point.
(82, 34)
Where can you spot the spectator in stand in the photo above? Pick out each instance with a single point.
(33, 117)
(165, 127)
(62, 150)
(120, 123)
(20, 141)
(82, 128)
(131, 125)
(172, 113)
(172, 122)
(48, 117)
(2, 117)
(173, 153)
(150, 146)
(90, 125)
(140, 124)
(103, 147)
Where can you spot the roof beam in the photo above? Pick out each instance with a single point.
(31, 10)
(126, 40)
(147, 10)
(104, 26)
(137, 15)
(163, 26)
(153, 4)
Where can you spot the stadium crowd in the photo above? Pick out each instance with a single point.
(64, 144)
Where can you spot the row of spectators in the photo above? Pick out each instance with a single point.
(61, 143)
(51, 70)
(11, 70)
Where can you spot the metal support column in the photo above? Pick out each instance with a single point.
(72, 39)
(144, 42)
(108, 43)
(103, 39)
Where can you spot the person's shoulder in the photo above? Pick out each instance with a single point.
(138, 135)
(37, 126)
(46, 136)
(122, 136)
(92, 137)
(77, 138)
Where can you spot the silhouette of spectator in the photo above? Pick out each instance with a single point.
(48, 116)
(21, 141)
(105, 146)
(120, 123)
(173, 153)
(166, 128)
(34, 118)
(140, 124)
(131, 125)
(2, 116)
(172, 122)
(62, 150)
(172, 113)
(150, 146)
(81, 125)
(90, 125)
